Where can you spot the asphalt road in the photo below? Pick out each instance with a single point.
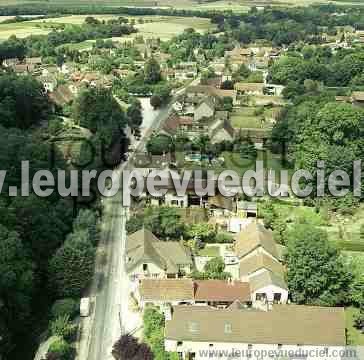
(109, 290)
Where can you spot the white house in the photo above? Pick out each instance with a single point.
(148, 257)
(285, 331)
(268, 288)
(260, 265)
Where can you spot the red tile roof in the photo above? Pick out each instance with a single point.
(221, 290)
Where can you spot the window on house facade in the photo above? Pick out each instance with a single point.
(145, 267)
(260, 296)
(193, 327)
(277, 297)
(228, 328)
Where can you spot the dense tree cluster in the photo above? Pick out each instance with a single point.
(344, 68)
(97, 110)
(316, 273)
(317, 128)
(12, 48)
(22, 102)
(163, 222)
(31, 229)
(46, 45)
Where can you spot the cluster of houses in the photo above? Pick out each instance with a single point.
(255, 58)
(260, 263)
(61, 83)
(249, 312)
(197, 113)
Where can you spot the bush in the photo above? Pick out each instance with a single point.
(61, 350)
(224, 238)
(156, 101)
(63, 328)
(359, 320)
(65, 307)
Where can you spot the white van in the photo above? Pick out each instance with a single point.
(85, 307)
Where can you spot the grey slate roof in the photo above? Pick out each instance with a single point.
(284, 324)
(144, 247)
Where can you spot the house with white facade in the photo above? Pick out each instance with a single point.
(260, 265)
(197, 333)
(148, 257)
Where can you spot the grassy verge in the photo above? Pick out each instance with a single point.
(354, 336)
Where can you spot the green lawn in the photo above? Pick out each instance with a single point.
(246, 117)
(354, 336)
(212, 251)
(253, 117)
(293, 213)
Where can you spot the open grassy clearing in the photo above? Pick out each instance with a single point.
(247, 117)
(294, 213)
(84, 45)
(253, 117)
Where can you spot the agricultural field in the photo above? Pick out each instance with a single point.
(167, 27)
(156, 26)
(233, 5)
(21, 30)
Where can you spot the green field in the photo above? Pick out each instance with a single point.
(21, 30)
(233, 5)
(163, 27)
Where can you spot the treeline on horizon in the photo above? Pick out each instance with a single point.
(311, 16)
